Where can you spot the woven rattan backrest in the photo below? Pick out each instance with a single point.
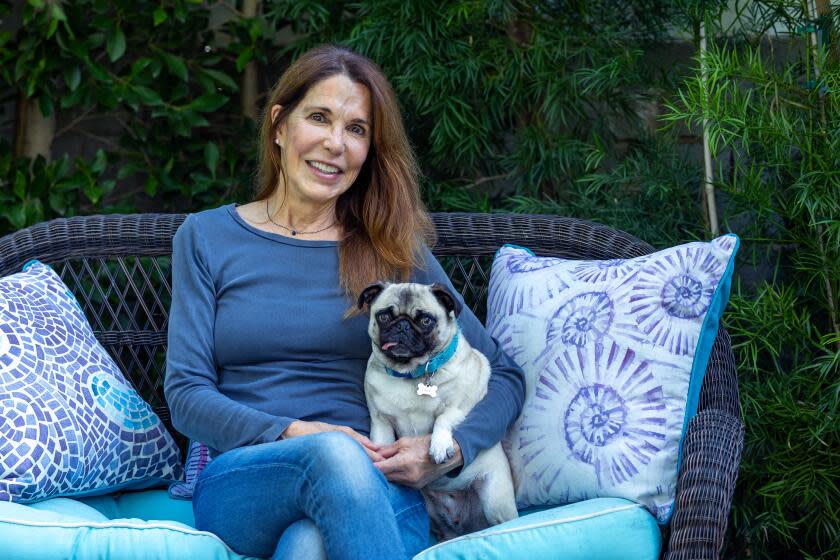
(118, 267)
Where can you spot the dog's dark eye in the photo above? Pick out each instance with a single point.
(426, 321)
(383, 317)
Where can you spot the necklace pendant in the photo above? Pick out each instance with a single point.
(428, 390)
(294, 232)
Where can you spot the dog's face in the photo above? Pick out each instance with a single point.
(409, 323)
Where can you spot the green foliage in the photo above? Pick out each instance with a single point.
(776, 114)
(29, 195)
(155, 72)
(505, 97)
(787, 495)
(514, 106)
(500, 97)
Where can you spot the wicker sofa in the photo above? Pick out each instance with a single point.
(118, 268)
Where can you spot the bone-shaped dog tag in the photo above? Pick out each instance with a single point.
(428, 390)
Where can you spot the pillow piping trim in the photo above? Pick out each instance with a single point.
(715, 313)
(113, 525)
(573, 519)
(526, 249)
(701, 359)
(148, 483)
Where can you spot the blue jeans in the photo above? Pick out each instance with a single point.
(306, 497)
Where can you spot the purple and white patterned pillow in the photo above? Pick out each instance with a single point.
(71, 424)
(198, 457)
(614, 354)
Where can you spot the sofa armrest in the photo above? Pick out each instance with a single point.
(711, 455)
(710, 460)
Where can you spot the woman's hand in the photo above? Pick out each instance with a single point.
(302, 428)
(407, 462)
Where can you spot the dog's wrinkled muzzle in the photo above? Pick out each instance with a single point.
(401, 342)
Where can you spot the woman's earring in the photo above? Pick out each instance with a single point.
(277, 141)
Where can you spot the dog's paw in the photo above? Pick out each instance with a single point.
(442, 455)
(441, 449)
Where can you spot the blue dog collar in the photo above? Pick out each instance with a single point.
(430, 367)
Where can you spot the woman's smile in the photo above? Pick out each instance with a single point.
(324, 170)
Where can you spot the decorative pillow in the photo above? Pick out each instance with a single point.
(71, 424)
(198, 456)
(614, 354)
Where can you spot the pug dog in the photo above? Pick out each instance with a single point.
(423, 377)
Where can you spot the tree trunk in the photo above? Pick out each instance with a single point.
(708, 175)
(817, 8)
(823, 8)
(33, 131)
(250, 81)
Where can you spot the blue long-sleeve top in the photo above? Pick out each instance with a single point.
(257, 340)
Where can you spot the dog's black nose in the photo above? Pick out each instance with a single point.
(403, 326)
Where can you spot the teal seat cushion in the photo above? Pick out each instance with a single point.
(150, 525)
(144, 525)
(148, 505)
(602, 528)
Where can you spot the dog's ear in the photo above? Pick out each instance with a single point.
(370, 293)
(446, 299)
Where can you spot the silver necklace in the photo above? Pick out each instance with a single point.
(294, 232)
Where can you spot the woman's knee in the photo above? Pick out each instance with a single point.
(337, 459)
(327, 456)
(302, 541)
(338, 449)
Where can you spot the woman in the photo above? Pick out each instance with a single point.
(266, 364)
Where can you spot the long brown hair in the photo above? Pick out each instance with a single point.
(384, 220)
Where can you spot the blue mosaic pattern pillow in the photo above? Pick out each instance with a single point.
(614, 354)
(71, 424)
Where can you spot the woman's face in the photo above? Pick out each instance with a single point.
(325, 140)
